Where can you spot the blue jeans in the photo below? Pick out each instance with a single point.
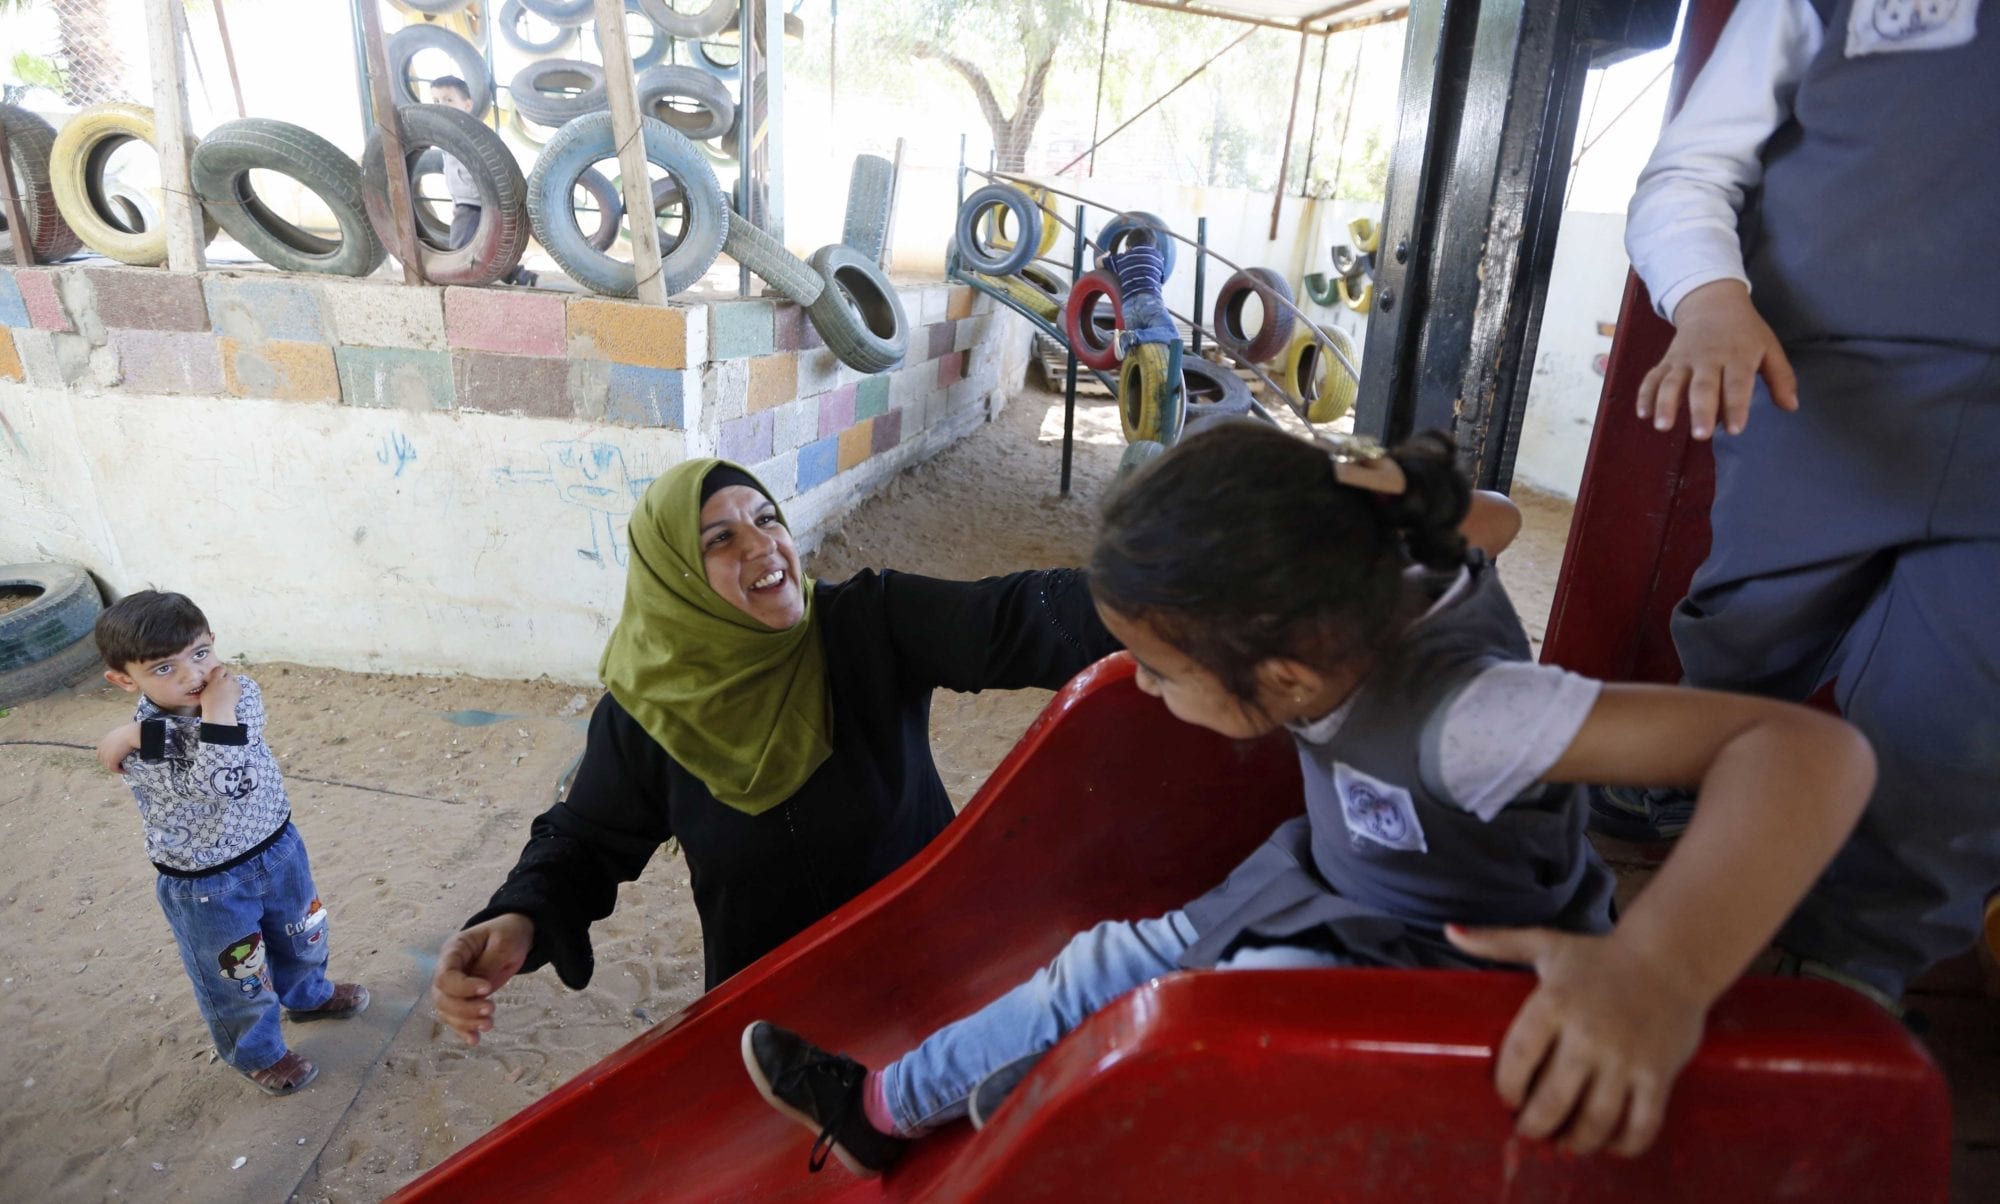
(930, 1085)
(251, 937)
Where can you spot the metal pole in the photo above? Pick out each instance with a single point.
(229, 56)
(895, 189)
(833, 67)
(1312, 131)
(628, 138)
(20, 237)
(1346, 118)
(961, 171)
(1200, 278)
(745, 87)
(360, 66)
(1069, 373)
(1157, 101)
(1285, 156)
(1097, 111)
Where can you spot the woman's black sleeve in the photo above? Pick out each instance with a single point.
(579, 850)
(1035, 628)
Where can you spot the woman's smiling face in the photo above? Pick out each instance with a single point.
(749, 557)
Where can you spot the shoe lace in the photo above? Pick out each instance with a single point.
(844, 1073)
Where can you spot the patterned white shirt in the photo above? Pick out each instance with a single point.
(208, 794)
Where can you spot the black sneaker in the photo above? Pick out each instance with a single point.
(822, 1091)
(994, 1089)
(1639, 814)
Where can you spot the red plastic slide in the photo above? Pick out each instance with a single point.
(1333, 1084)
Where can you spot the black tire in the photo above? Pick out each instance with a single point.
(994, 261)
(585, 141)
(501, 236)
(1212, 391)
(1119, 228)
(788, 275)
(562, 12)
(406, 43)
(713, 119)
(610, 208)
(66, 668)
(29, 141)
(434, 229)
(1047, 282)
(858, 313)
(220, 171)
(658, 41)
(511, 14)
(64, 610)
(698, 54)
(1274, 335)
(544, 109)
(701, 24)
(868, 186)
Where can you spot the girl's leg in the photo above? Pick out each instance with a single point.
(930, 1085)
(215, 924)
(295, 926)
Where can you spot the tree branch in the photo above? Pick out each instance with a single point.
(983, 91)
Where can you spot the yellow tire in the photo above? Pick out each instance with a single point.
(1318, 379)
(1360, 302)
(1366, 234)
(77, 163)
(1051, 225)
(1149, 396)
(1026, 295)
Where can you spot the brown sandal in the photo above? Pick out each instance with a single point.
(285, 1075)
(348, 999)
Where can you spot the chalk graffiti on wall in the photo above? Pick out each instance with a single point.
(595, 478)
(396, 449)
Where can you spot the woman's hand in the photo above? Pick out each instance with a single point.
(118, 744)
(1720, 345)
(1593, 1053)
(473, 965)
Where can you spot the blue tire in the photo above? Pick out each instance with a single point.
(1119, 228)
(990, 260)
(587, 140)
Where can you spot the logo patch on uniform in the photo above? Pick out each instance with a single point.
(1377, 811)
(1884, 26)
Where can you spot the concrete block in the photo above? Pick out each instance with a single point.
(646, 396)
(818, 372)
(53, 360)
(396, 378)
(11, 367)
(377, 313)
(148, 299)
(780, 475)
(951, 369)
(534, 385)
(517, 322)
(741, 329)
(590, 388)
(818, 462)
(44, 303)
(250, 310)
(789, 326)
(939, 339)
(162, 361)
(725, 387)
(907, 386)
(971, 332)
(836, 410)
(774, 380)
(795, 424)
(13, 310)
(856, 443)
(746, 440)
(649, 336)
(885, 432)
(280, 370)
(871, 396)
(936, 298)
(959, 303)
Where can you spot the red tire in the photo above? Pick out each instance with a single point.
(1095, 346)
(1274, 334)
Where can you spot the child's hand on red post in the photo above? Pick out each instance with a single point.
(118, 744)
(1592, 1055)
(220, 696)
(1720, 345)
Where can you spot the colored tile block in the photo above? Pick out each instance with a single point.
(279, 370)
(871, 397)
(857, 442)
(746, 440)
(958, 304)
(725, 389)
(53, 359)
(951, 369)
(780, 475)
(931, 309)
(161, 361)
(646, 396)
(774, 380)
(741, 329)
(887, 432)
(517, 322)
(395, 378)
(971, 331)
(939, 339)
(818, 462)
(10, 359)
(377, 313)
(45, 305)
(534, 385)
(836, 411)
(250, 310)
(795, 424)
(650, 336)
(789, 328)
(13, 310)
(148, 299)
(818, 372)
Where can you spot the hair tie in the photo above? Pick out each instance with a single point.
(1361, 463)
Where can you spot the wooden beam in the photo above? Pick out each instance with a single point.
(181, 216)
(18, 236)
(623, 91)
(229, 56)
(402, 210)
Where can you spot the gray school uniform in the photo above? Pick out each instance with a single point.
(1858, 540)
(1383, 859)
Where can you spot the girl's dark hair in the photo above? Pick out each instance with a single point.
(146, 626)
(1239, 546)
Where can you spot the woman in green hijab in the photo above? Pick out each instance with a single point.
(777, 727)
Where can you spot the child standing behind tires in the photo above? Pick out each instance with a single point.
(234, 881)
(458, 182)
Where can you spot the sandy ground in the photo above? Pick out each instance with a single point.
(414, 796)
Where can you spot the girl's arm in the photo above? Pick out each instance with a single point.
(1615, 1017)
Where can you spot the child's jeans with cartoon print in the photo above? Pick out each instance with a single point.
(252, 937)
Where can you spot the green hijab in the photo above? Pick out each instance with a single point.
(740, 706)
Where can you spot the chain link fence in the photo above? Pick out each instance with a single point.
(67, 50)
